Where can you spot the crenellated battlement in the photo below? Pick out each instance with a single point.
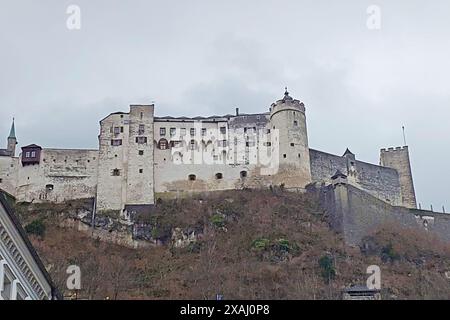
(392, 149)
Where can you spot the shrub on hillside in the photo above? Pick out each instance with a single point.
(327, 268)
(37, 227)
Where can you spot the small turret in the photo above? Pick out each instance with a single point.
(349, 155)
(12, 140)
(339, 178)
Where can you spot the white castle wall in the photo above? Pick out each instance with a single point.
(125, 173)
(8, 174)
(62, 174)
(111, 193)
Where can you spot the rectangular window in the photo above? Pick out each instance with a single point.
(203, 131)
(141, 129)
(223, 130)
(1, 180)
(116, 130)
(162, 131)
(116, 142)
(222, 143)
(173, 131)
(192, 131)
(116, 172)
(27, 154)
(121, 129)
(33, 154)
(183, 132)
(141, 140)
(141, 152)
(295, 123)
(141, 170)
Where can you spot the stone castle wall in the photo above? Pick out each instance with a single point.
(381, 182)
(61, 175)
(9, 169)
(356, 214)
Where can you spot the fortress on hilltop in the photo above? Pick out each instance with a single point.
(142, 158)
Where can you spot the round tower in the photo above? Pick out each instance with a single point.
(289, 136)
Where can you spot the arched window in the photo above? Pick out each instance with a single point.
(163, 144)
(192, 177)
(219, 176)
(243, 174)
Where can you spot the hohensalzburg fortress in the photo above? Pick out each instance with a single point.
(142, 158)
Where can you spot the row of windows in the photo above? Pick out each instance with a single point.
(219, 176)
(118, 142)
(119, 130)
(192, 131)
(116, 172)
(191, 177)
(163, 144)
(30, 154)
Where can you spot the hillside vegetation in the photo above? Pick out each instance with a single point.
(250, 245)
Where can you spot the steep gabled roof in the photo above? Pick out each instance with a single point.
(338, 174)
(9, 211)
(348, 152)
(32, 146)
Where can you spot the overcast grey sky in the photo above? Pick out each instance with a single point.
(197, 57)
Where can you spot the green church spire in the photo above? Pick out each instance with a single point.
(12, 133)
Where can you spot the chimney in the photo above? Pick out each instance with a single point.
(237, 111)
